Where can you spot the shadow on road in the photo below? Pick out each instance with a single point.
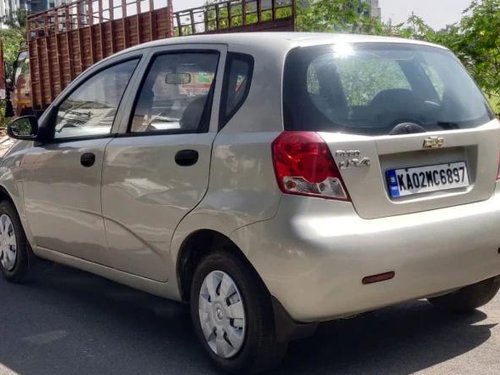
(396, 340)
(70, 322)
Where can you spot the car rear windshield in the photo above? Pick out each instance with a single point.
(379, 88)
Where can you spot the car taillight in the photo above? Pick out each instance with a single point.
(304, 166)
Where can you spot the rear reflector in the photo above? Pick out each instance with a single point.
(378, 278)
(304, 166)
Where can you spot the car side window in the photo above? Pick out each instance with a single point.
(176, 94)
(90, 110)
(237, 81)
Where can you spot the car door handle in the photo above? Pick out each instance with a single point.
(186, 158)
(87, 159)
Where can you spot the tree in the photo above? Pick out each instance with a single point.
(475, 39)
(14, 40)
(351, 16)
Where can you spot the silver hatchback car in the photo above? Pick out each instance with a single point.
(272, 181)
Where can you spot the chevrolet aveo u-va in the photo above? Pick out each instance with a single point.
(272, 181)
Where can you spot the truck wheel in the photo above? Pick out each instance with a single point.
(232, 315)
(469, 298)
(15, 252)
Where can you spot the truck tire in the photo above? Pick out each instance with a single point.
(232, 315)
(469, 298)
(16, 257)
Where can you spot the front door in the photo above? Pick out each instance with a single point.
(62, 189)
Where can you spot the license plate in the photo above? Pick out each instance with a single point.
(418, 180)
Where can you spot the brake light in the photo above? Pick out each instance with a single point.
(304, 166)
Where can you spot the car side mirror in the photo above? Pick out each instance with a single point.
(25, 128)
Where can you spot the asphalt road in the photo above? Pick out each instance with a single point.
(69, 322)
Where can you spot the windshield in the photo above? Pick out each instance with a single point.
(372, 89)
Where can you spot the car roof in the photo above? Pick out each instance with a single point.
(276, 39)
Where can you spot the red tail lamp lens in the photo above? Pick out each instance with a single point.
(304, 166)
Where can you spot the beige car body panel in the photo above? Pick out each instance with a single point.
(311, 253)
(63, 208)
(11, 180)
(145, 195)
(314, 256)
(392, 152)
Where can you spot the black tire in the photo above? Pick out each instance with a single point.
(24, 256)
(260, 350)
(469, 298)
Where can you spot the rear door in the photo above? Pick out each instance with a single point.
(407, 127)
(158, 169)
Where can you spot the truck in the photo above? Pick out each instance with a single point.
(64, 41)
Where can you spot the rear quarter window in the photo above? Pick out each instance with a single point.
(237, 82)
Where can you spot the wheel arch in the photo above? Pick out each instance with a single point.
(190, 253)
(5, 195)
(15, 199)
(194, 248)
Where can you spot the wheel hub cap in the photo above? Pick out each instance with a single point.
(219, 314)
(222, 314)
(8, 244)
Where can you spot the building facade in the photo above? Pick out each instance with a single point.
(375, 10)
(9, 8)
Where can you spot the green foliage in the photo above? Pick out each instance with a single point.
(475, 40)
(3, 120)
(495, 103)
(350, 16)
(13, 41)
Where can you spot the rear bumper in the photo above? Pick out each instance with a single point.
(314, 254)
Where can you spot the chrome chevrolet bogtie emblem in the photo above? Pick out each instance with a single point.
(433, 142)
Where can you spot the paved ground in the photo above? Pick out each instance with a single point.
(69, 322)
